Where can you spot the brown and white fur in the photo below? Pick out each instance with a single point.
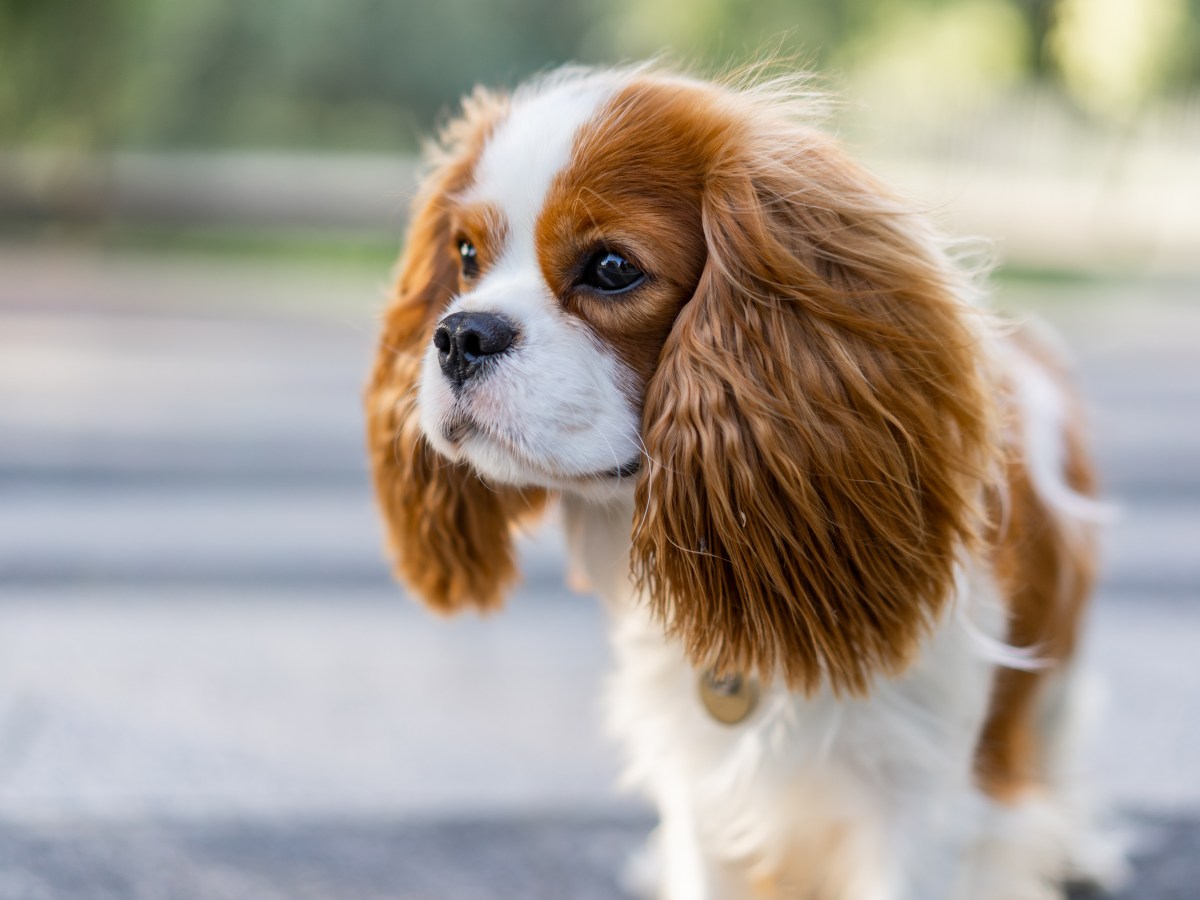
(797, 449)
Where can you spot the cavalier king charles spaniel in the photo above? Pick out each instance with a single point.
(840, 515)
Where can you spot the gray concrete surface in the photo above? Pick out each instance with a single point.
(558, 857)
(210, 688)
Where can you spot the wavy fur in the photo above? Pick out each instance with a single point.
(448, 533)
(818, 429)
(838, 445)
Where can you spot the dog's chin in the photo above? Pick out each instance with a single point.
(496, 463)
(461, 439)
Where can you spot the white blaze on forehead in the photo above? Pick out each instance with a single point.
(554, 411)
(531, 146)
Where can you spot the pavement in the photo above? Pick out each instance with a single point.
(210, 688)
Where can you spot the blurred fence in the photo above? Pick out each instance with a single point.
(279, 192)
(1050, 188)
(1049, 185)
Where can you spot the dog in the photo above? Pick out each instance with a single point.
(842, 515)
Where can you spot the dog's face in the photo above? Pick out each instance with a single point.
(577, 241)
(627, 282)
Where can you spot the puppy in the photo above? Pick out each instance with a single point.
(840, 515)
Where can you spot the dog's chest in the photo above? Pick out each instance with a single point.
(782, 782)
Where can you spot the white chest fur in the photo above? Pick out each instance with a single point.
(848, 797)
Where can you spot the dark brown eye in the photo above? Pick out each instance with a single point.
(469, 258)
(611, 273)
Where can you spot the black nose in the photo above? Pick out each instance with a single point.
(466, 340)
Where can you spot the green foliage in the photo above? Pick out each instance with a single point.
(169, 73)
(60, 64)
(1115, 55)
(371, 74)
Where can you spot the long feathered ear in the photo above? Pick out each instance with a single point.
(449, 534)
(818, 429)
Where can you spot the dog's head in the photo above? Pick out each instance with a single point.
(633, 282)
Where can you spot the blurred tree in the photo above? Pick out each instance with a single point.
(169, 73)
(352, 73)
(723, 30)
(365, 73)
(1039, 19)
(1115, 54)
(968, 48)
(60, 64)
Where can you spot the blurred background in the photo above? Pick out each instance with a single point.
(209, 686)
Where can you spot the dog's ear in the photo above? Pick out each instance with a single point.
(818, 430)
(449, 534)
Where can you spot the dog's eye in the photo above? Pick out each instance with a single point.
(611, 272)
(468, 258)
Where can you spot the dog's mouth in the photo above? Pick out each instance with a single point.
(626, 470)
(459, 427)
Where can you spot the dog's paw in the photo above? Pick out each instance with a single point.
(1099, 858)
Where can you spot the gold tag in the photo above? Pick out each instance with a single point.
(730, 698)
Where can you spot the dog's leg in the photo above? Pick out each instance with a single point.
(1025, 836)
(688, 871)
(1094, 853)
(1038, 835)
(678, 864)
(1019, 852)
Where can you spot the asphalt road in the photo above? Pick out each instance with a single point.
(210, 688)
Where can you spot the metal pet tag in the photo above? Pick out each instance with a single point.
(729, 699)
